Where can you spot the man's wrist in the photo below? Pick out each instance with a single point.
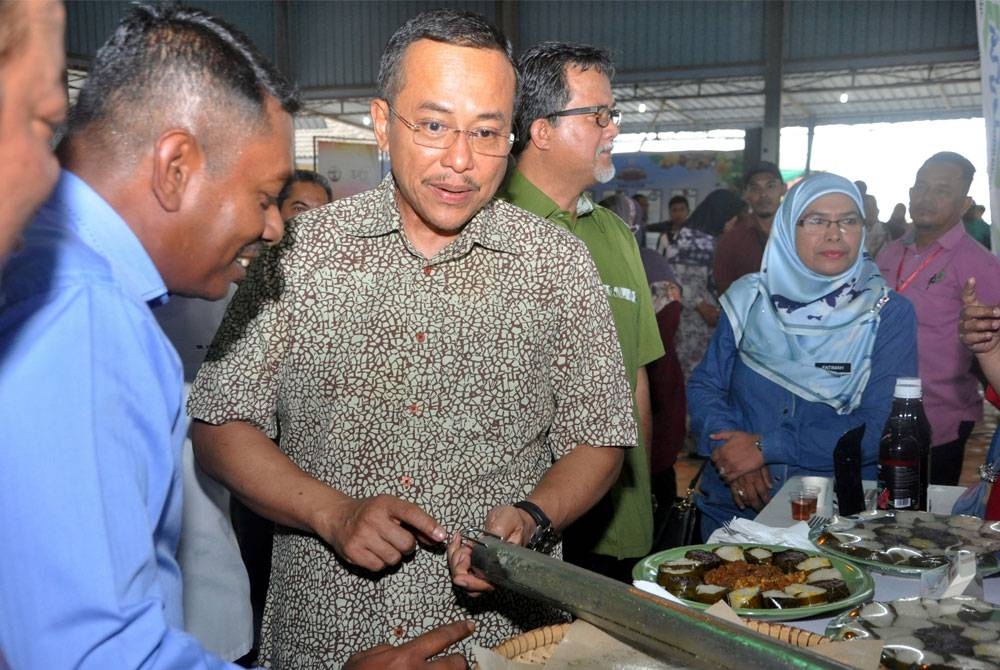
(545, 535)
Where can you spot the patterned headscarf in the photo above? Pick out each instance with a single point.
(810, 333)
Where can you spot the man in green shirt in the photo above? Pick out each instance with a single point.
(565, 127)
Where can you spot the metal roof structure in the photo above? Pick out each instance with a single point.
(682, 65)
(878, 94)
(900, 93)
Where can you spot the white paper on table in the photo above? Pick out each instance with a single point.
(587, 647)
(745, 531)
(584, 647)
(490, 660)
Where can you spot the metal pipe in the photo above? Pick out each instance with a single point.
(661, 629)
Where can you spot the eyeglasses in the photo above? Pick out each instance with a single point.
(436, 135)
(602, 114)
(816, 225)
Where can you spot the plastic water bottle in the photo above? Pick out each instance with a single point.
(904, 450)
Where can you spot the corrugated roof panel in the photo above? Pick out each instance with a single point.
(89, 23)
(860, 28)
(339, 44)
(650, 36)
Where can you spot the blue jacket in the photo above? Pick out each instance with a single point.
(798, 436)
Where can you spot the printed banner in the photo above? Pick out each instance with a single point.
(351, 167)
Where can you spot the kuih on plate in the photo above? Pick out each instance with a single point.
(906, 543)
(759, 581)
(959, 633)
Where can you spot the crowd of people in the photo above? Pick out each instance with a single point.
(474, 343)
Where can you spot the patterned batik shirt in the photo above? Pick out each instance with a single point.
(452, 383)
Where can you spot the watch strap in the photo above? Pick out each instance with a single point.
(540, 518)
(545, 536)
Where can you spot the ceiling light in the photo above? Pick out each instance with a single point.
(366, 120)
(642, 108)
(844, 97)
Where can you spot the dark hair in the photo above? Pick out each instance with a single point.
(959, 161)
(627, 209)
(13, 28)
(712, 213)
(763, 166)
(159, 58)
(678, 199)
(304, 176)
(450, 26)
(544, 88)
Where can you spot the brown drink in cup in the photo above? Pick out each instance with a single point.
(804, 501)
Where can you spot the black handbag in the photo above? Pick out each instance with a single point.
(680, 526)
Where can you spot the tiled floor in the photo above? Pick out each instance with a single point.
(975, 451)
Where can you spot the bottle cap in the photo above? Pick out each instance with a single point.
(908, 388)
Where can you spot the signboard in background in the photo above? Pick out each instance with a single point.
(351, 167)
(988, 18)
(661, 176)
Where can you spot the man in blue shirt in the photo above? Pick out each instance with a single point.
(152, 200)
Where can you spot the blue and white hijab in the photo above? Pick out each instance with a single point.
(810, 333)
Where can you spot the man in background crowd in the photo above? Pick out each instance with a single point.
(303, 191)
(32, 105)
(739, 250)
(976, 226)
(419, 355)
(679, 210)
(930, 266)
(565, 126)
(159, 194)
(876, 235)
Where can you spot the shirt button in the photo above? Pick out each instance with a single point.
(428, 270)
(421, 337)
(785, 411)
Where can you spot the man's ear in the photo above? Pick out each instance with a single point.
(540, 131)
(177, 158)
(379, 111)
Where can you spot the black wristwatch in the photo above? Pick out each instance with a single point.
(545, 537)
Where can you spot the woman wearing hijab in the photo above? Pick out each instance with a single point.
(806, 349)
(692, 256)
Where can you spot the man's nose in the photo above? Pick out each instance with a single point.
(274, 226)
(459, 156)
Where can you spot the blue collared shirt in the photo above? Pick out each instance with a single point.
(92, 424)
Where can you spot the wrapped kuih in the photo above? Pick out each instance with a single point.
(788, 559)
(707, 558)
(730, 553)
(776, 599)
(681, 585)
(748, 598)
(710, 594)
(759, 556)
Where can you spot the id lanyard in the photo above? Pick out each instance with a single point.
(913, 275)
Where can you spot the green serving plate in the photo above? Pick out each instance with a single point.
(859, 583)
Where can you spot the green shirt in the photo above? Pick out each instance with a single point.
(615, 253)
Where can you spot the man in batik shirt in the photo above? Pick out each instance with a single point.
(432, 360)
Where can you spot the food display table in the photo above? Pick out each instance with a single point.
(777, 514)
